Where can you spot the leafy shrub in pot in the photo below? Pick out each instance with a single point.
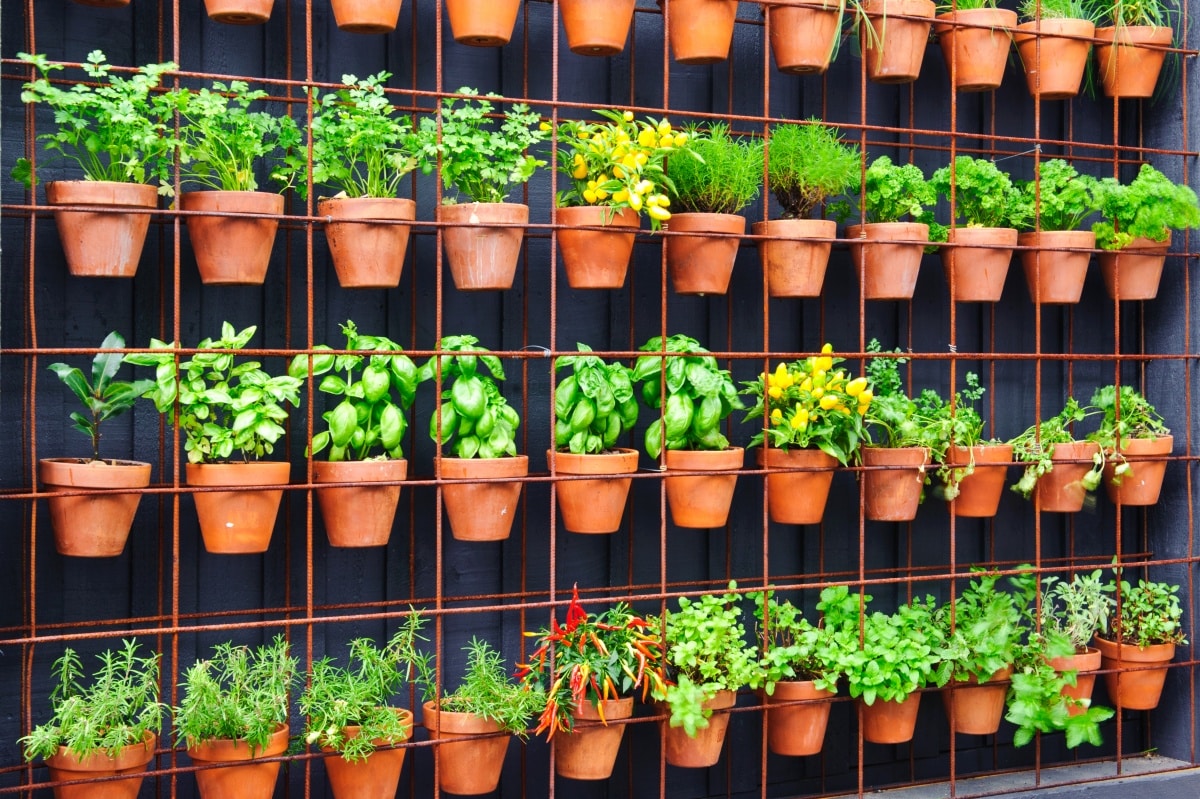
(1133, 439)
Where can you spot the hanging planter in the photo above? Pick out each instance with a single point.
(239, 12)
(483, 23)
(237, 522)
(795, 267)
(976, 708)
(1085, 664)
(1054, 53)
(482, 511)
(359, 516)
(589, 750)
(1130, 57)
(975, 43)
(892, 490)
(1061, 489)
(594, 506)
(232, 250)
(703, 264)
(483, 256)
(378, 774)
(977, 268)
(885, 722)
(704, 750)
(366, 247)
(597, 27)
(889, 260)
(797, 497)
(1054, 276)
(893, 47)
(804, 36)
(1141, 688)
(701, 31)
(596, 259)
(102, 243)
(366, 16)
(471, 765)
(131, 759)
(96, 525)
(247, 780)
(1134, 271)
(797, 730)
(702, 501)
(979, 492)
(1142, 483)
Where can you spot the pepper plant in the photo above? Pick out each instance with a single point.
(475, 417)
(593, 405)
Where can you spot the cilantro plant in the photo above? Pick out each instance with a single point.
(984, 195)
(1059, 199)
(722, 178)
(892, 193)
(593, 405)
(475, 416)
(118, 130)
(488, 692)
(1035, 446)
(807, 163)
(1150, 207)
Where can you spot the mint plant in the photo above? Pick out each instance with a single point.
(1059, 199)
(988, 629)
(488, 692)
(898, 652)
(475, 416)
(807, 163)
(594, 405)
(722, 178)
(795, 649)
(1150, 207)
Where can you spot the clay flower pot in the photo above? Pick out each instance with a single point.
(366, 16)
(472, 764)
(977, 267)
(1054, 61)
(1141, 688)
(975, 56)
(102, 243)
(1142, 484)
(803, 36)
(483, 23)
(249, 779)
(976, 708)
(594, 506)
(701, 501)
(797, 497)
(96, 525)
(888, 263)
(1060, 489)
(482, 256)
(366, 249)
(979, 492)
(237, 522)
(132, 759)
(1130, 57)
(1085, 664)
(700, 30)
(239, 12)
(373, 778)
(1134, 272)
(892, 489)
(890, 722)
(103, 3)
(596, 259)
(232, 250)
(797, 730)
(359, 516)
(705, 749)
(703, 264)
(589, 751)
(596, 27)
(894, 47)
(1055, 276)
(482, 511)
(793, 262)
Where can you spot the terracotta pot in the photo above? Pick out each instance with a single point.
(103, 3)
(979, 492)
(1085, 664)
(589, 751)
(1130, 61)
(977, 708)
(483, 23)
(1141, 688)
(893, 493)
(132, 759)
(237, 522)
(797, 497)
(374, 778)
(483, 257)
(1056, 277)
(359, 516)
(888, 264)
(1142, 484)
(239, 12)
(700, 30)
(594, 506)
(705, 749)
(482, 511)
(804, 36)
(703, 264)
(232, 251)
(1060, 490)
(1134, 272)
(247, 781)
(795, 268)
(890, 722)
(1054, 64)
(975, 56)
(366, 16)
(702, 501)
(893, 47)
(471, 765)
(596, 259)
(977, 268)
(797, 730)
(366, 250)
(102, 243)
(597, 27)
(96, 525)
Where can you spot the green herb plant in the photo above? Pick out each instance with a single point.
(1075, 610)
(984, 630)
(1147, 614)
(487, 691)
(892, 192)
(475, 417)
(1134, 12)
(1127, 414)
(1150, 207)
(893, 417)
(983, 194)
(957, 423)
(1059, 199)
(965, 5)
(806, 164)
(723, 178)
(898, 651)
(795, 649)
(1054, 9)
(593, 405)
(1036, 445)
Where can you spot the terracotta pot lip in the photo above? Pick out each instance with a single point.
(1148, 31)
(780, 456)
(406, 722)
(622, 460)
(1083, 662)
(617, 217)
(1158, 445)
(365, 471)
(983, 13)
(896, 454)
(1113, 651)
(476, 468)
(804, 687)
(78, 473)
(1034, 235)
(1149, 246)
(401, 205)
(109, 462)
(455, 722)
(614, 709)
(462, 207)
(1077, 449)
(793, 223)
(100, 760)
(277, 745)
(972, 231)
(199, 193)
(1055, 25)
(219, 474)
(924, 8)
(135, 195)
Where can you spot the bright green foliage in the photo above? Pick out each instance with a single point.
(1036, 704)
(593, 405)
(956, 423)
(339, 697)
(222, 140)
(1132, 416)
(723, 178)
(370, 421)
(1054, 9)
(103, 397)
(892, 193)
(474, 415)
(897, 655)
(1150, 207)
(116, 710)
(480, 161)
(985, 633)
(807, 163)
(239, 694)
(965, 5)
(984, 195)
(1035, 446)
(795, 649)
(487, 691)
(700, 395)
(225, 407)
(1146, 615)
(1066, 198)
(359, 146)
(892, 414)
(1075, 609)
(119, 130)
(1134, 12)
